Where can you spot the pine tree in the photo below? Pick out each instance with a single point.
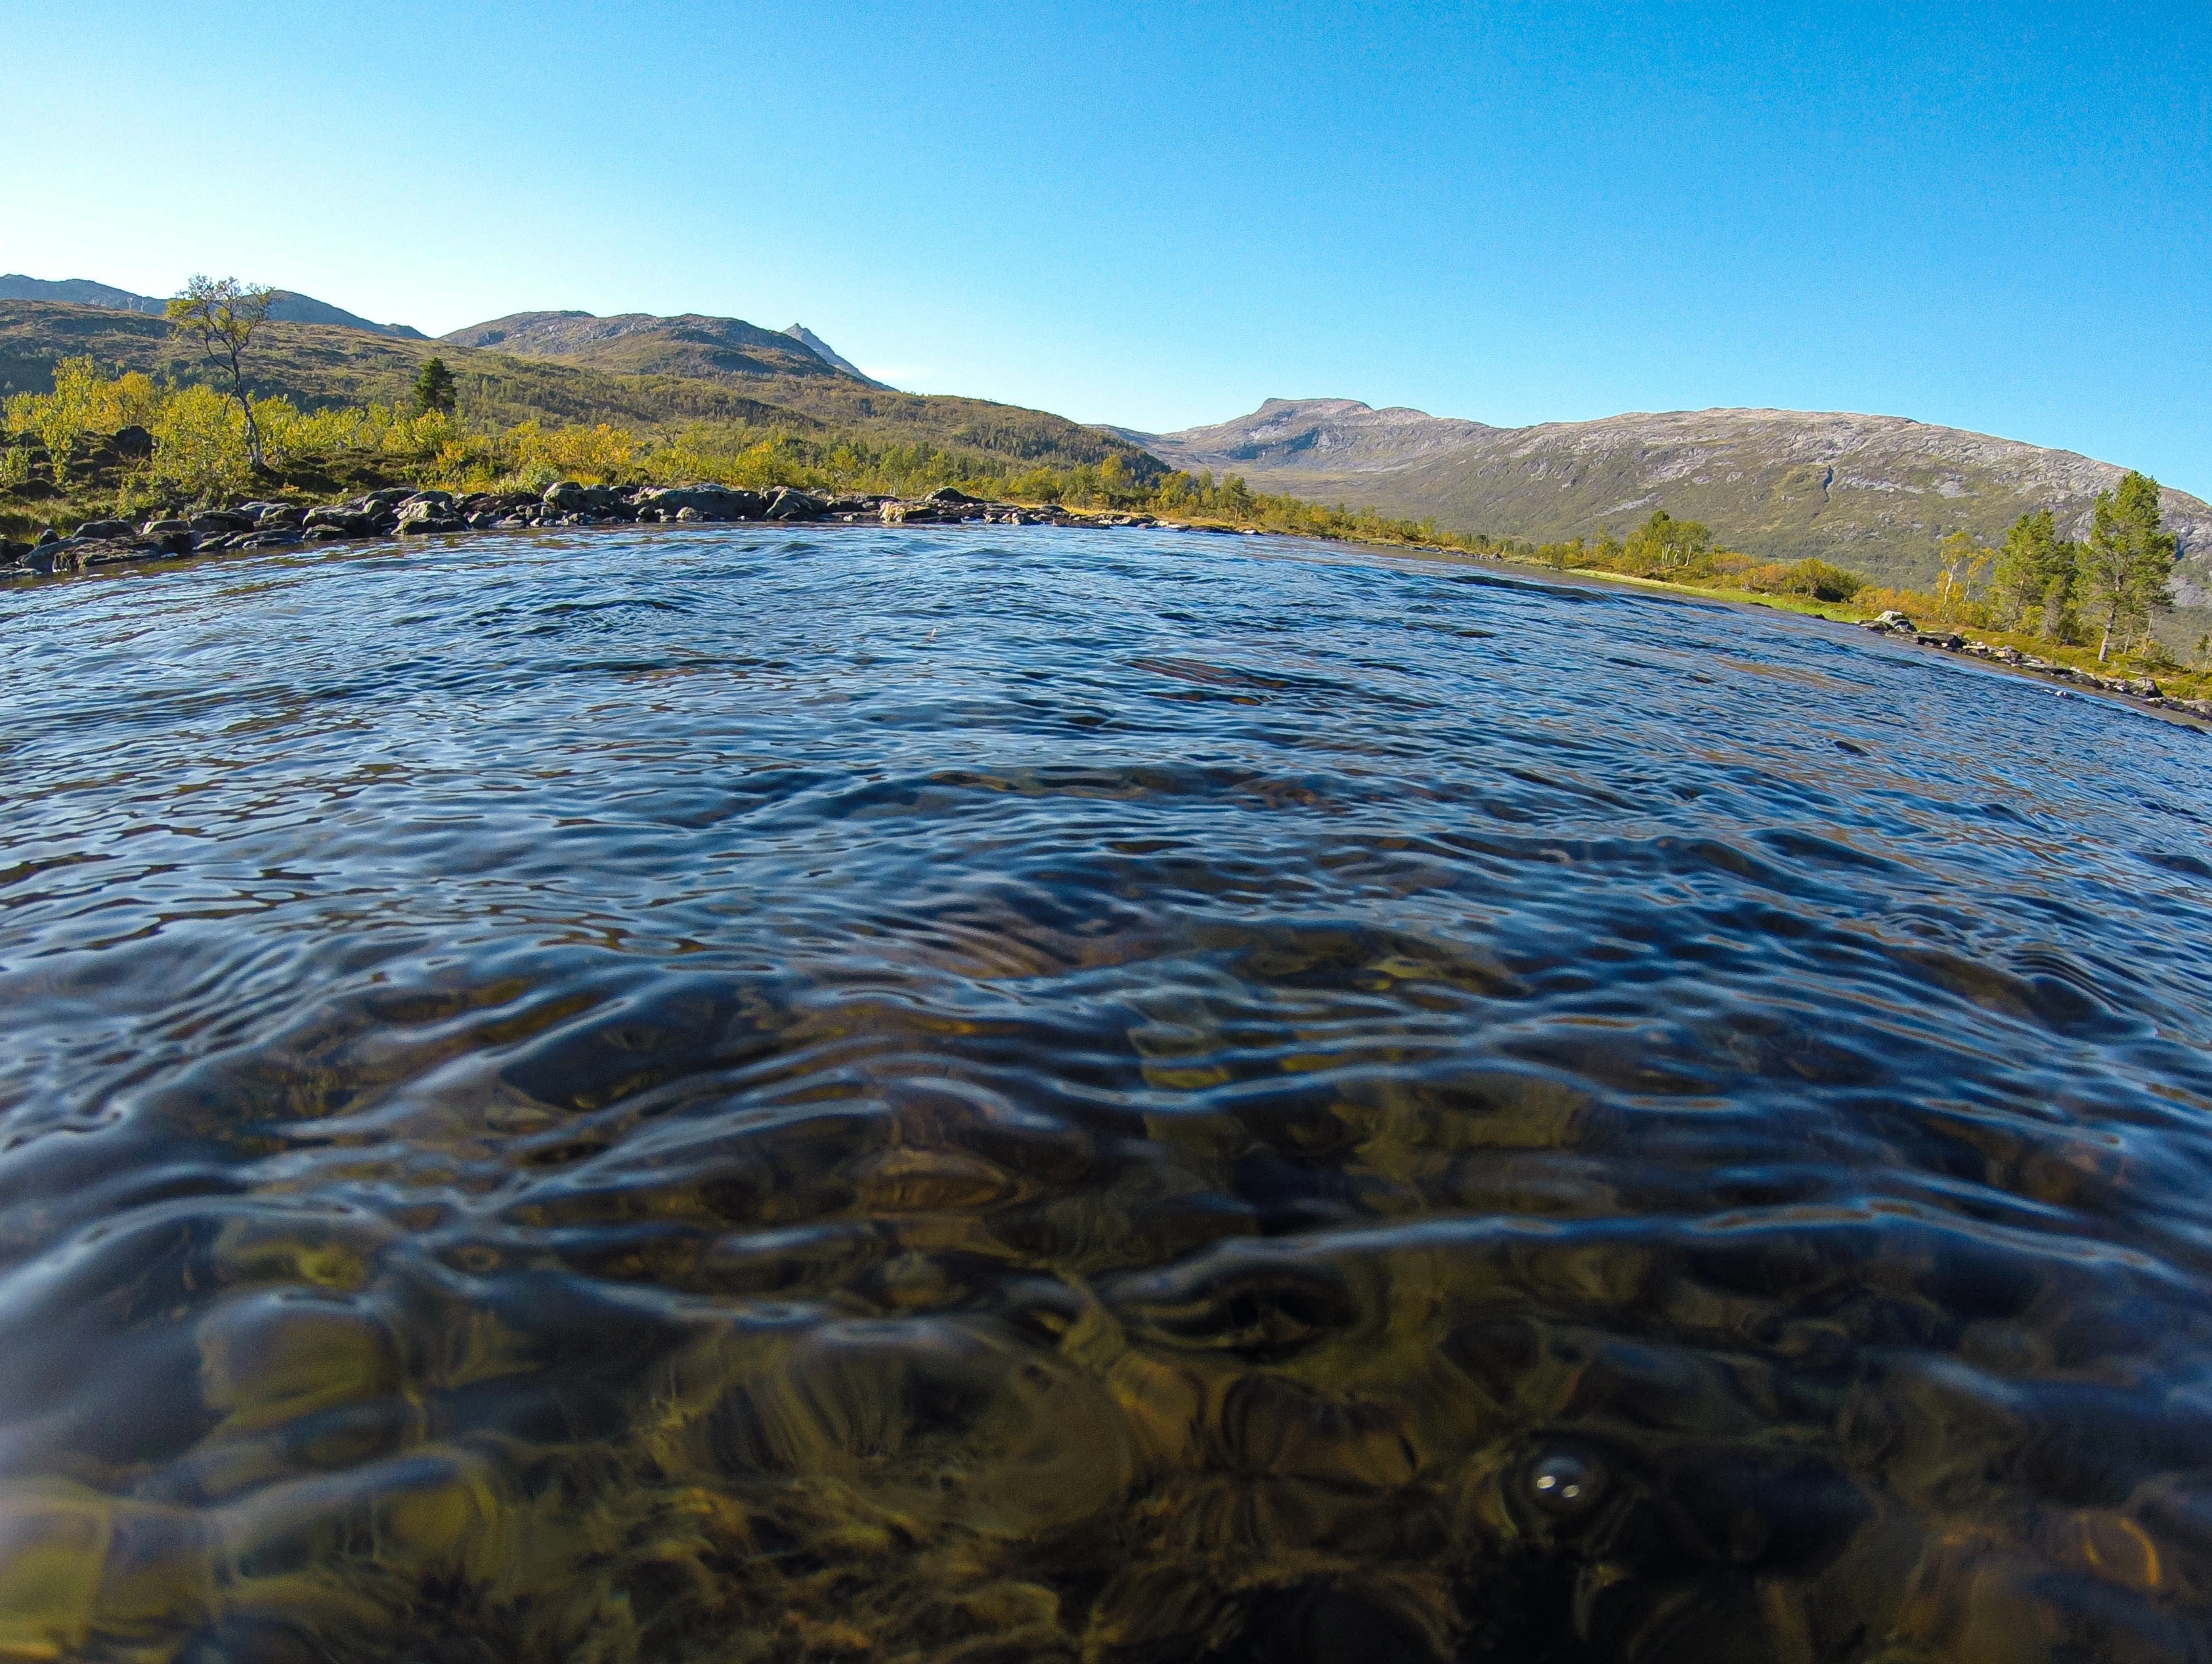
(433, 389)
(2035, 573)
(2123, 570)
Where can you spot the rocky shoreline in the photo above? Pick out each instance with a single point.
(400, 513)
(2137, 690)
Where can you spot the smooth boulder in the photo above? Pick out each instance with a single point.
(714, 502)
(429, 513)
(790, 503)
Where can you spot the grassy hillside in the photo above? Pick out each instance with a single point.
(322, 367)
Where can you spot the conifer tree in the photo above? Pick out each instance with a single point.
(2123, 570)
(2035, 573)
(433, 389)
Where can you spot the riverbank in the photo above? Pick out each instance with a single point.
(2014, 654)
(397, 512)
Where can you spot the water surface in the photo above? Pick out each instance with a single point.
(1008, 1095)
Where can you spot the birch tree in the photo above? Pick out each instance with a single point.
(220, 315)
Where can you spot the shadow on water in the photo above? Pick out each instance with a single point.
(635, 1103)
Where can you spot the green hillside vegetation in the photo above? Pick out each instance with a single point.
(316, 368)
(96, 445)
(1878, 495)
(1787, 512)
(2090, 605)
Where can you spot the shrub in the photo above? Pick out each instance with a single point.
(1824, 582)
(199, 444)
(597, 453)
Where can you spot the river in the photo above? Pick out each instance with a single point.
(1014, 1094)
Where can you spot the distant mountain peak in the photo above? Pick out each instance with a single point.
(1342, 433)
(827, 354)
(74, 291)
(290, 307)
(641, 344)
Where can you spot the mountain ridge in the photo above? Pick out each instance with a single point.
(830, 356)
(289, 306)
(692, 344)
(1870, 492)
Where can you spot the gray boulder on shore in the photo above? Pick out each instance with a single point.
(711, 503)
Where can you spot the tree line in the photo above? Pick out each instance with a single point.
(2107, 588)
(1686, 552)
(2111, 584)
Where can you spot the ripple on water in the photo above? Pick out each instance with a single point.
(1036, 1094)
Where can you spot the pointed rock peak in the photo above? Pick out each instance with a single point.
(827, 354)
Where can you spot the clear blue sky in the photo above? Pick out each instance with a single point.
(1993, 216)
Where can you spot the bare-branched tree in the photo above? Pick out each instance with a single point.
(219, 316)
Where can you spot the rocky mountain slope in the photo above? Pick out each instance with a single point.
(1871, 493)
(1324, 435)
(286, 308)
(290, 308)
(637, 343)
(829, 355)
